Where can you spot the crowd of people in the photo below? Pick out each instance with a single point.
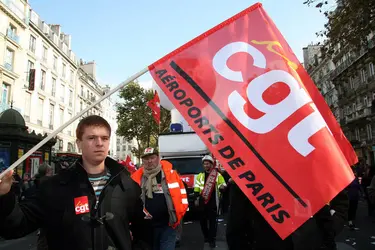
(97, 204)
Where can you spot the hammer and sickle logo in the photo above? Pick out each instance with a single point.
(270, 47)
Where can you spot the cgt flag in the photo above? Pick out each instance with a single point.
(154, 105)
(130, 165)
(243, 91)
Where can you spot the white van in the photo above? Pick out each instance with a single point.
(185, 151)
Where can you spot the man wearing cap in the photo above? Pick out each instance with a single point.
(207, 188)
(164, 198)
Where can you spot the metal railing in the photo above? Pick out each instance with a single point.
(13, 36)
(3, 107)
(353, 58)
(8, 66)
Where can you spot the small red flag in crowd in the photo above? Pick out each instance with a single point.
(129, 165)
(154, 105)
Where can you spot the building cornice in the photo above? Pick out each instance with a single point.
(52, 44)
(13, 16)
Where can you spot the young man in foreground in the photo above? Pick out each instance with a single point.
(88, 206)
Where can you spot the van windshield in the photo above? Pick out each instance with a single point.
(187, 165)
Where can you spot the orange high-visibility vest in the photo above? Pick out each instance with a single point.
(175, 186)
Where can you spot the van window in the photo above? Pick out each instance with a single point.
(187, 165)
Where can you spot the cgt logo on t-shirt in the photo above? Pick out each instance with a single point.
(81, 205)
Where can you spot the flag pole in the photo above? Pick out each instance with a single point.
(54, 133)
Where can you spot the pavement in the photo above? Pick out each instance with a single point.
(192, 237)
(25, 243)
(363, 237)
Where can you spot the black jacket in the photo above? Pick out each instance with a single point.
(320, 231)
(52, 208)
(247, 229)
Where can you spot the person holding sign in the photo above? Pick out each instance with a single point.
(207, 188)
(88, 206)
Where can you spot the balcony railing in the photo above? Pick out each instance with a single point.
(3, 107)
(346, 64)
(8, 66)
(13, 36)
(366, 112)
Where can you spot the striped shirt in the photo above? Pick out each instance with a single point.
(98, 181)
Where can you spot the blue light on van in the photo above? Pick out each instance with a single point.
(176, 127)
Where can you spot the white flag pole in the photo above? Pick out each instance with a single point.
(54, 133)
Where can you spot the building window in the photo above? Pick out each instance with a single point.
(62, 94)
(30, 65)
(51, 115)
(32, 44)
(43, 80)
(71, 76)
(61, 145)
(357, 136)
(53, 89)
(365, 101)
(54, 62)
(70, 147)
(61, 117)
(64, 70)
(40, 111)
(70, 98)
(369, 131)
(351, 82)
(12, 33)
(359, 101)
(12, 29)
(4, 96)
(371, 69)
(69, 128)
(88, 94)
(9, 59)
(81, 106)
(123, 147)
(363, 76)
(27, 106)
(44, 55)
(354, 107)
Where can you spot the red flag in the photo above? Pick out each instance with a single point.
(154, 105)
(243, 91)
(129, 164)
